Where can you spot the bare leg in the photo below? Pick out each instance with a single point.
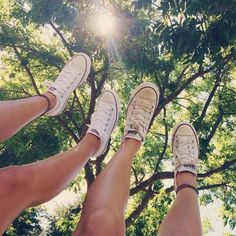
(184, 216)
(107, 198)
(32, 184)
(16, 114)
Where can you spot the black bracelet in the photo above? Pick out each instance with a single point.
(49, 104)
(186, 186)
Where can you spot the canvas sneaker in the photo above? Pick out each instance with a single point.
(104, 119)
(141, 108)
(185, 148)
(74, 73)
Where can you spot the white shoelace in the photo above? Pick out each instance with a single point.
(140, 114)
(63, 83)
(101, 117)
(186, 149)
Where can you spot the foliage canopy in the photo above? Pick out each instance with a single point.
(186, 47)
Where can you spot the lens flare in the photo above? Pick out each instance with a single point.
(105, 23)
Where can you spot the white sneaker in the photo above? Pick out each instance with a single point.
(104, 119)
(141, 108)
(74, 73)
(185, 148)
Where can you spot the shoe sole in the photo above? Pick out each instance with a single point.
(88, 66)
(177, 127)
(83, 79)
(143, 86)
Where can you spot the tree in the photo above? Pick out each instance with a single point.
(64, 220)
(28, 223)
(186, 47)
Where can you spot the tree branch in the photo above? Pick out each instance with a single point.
(149, 181)
(69, 115)
(226, 165)
(170, 175)
(24, 64)
(65, 43)
(93, 97)
(212, 186)
(68, 130)
(186, 83)
(100, 159)
(164, 101)
(16, 91)
(209, 99)
(214, 128)
(134, 215)
(135, 175)
(188, 109)
(89, 176)
(165, 144)
(104, 76)
(180, 77)
(80, 106)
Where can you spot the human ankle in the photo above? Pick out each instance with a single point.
(93, 141)
(52, 98)
(131, 141)
(186, 178)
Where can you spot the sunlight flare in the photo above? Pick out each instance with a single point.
(105, 23)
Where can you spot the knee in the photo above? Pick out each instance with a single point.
(100, 222)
